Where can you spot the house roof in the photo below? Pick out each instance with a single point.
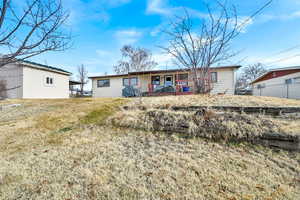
(283, 71)
(44, 67)
(160, 71)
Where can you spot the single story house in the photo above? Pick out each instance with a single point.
(280, 82)
(222, 81)
(25, 79)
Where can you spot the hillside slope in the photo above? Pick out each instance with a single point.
(65, 149)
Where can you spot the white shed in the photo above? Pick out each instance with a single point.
(26, 79)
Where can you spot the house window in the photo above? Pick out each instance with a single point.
(168, 80)
(214, 77)
(49, 81)
(155, 80)
(103, 83)
(130, 81)
(182, 79)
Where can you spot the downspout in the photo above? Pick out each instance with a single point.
(287, 91)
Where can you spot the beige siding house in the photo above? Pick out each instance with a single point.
(32, 80)
(222, 81)
(281, 82)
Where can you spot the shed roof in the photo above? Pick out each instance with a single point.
(45, 67)
(283, 71)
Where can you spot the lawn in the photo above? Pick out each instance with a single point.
(69, 149)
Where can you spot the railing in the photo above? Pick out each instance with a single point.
(182, 87)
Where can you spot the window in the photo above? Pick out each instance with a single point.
(288, 81)
(168, 80)
(182, 79)
(214, 77)
(125, 81)
(130, 81)
(103, 83)
(49, 81)
(259, 86)
(297, 80)
(155, 80)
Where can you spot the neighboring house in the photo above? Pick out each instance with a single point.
(281, 82)
(26, 79)
(222, 79)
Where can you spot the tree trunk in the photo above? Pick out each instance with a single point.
(81, 89)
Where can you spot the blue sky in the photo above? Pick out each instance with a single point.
(101, 27)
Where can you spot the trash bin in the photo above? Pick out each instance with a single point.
(185, 89)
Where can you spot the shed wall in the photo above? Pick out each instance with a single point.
(277, 87)
(34, 84)
(11, 81)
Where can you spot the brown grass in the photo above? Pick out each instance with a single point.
(226, 126)
(215, 100)
(64, 150)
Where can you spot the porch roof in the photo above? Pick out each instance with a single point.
(162, 71)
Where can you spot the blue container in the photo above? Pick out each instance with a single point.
(185, 89)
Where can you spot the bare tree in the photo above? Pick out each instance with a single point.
(32, 29)
(249, 74)
(197, 49)
(83, 77)
(134, 59)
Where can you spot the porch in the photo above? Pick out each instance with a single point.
(178, 83)
(164, 84)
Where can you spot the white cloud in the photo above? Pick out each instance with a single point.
(128, 36)
(163, 60)
(97, 9)
(103, 61)
(270, 17)
(162, 7)
(243, 22)
(158, 7)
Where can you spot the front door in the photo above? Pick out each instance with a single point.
(168, 80)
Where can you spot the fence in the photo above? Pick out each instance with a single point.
(290, 91)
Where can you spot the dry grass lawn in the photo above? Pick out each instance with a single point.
(65, 149)
(216, 100)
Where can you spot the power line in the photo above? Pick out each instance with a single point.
(283, 59)
(286, 50)
(256, 13)
(282, 52)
